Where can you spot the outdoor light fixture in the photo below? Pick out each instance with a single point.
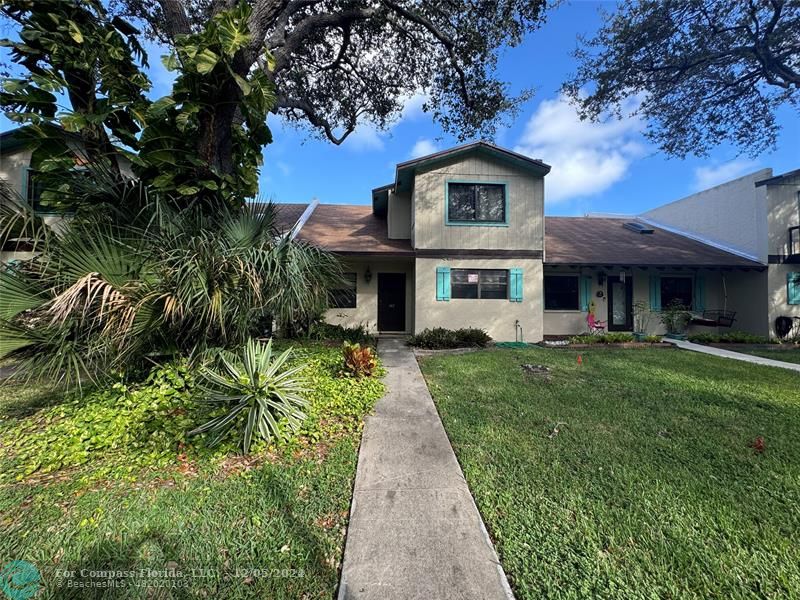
(367, 275)
(601, 278)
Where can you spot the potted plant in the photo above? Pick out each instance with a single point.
(641, 320)
(675, 318)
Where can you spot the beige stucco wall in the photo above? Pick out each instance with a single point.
(783, 203)
(525, 229)
(398, 216)
(743, 293)
(366, 310)
(12, 168)
(777, 294)
(497, 317)
(783, 211)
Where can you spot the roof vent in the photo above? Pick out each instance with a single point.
(638, 227)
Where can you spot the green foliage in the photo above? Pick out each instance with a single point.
(120, 428)
(259, 393)
(125, 431)
(359, 361)
(694, 68)
(731, 337)
(642, 315)
(606, 338)
(113, 292)
(439, 338)
(187, 145)
(583, 475)
(359, 334)
(182, 127)
(74, 50)
(675, 317)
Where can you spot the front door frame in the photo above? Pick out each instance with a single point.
(628, 326)
(396, 304)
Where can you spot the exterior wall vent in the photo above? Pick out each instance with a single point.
(638, 228)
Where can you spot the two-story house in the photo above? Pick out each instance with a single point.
(460, 239)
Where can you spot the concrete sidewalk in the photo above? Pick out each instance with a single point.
(415, 533)
(756, 360)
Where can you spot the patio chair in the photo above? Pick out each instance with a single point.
(595, 327)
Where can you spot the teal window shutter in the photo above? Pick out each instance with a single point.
(586, 292)
(515, 275)
(699, 293)
(793, 287)
(442, 284)
(655, 293)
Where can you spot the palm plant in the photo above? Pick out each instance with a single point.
(258, 391)
(122, 287)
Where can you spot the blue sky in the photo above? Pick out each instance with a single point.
(606, 167)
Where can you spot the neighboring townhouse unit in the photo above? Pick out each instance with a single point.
(460, 239)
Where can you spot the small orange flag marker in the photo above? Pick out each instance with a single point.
(580, 359)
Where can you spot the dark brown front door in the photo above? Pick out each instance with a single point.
(620, 304)
(391, 301)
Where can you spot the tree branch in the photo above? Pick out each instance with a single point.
(314, 118)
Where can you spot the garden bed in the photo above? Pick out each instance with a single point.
(110, 482)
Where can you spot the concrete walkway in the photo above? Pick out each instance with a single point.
(415, 533)
(756, 360)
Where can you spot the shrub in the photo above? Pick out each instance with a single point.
(732, 337)
(260, 393)
(358, 334)
(675, 317)
(473, 337)
(439, 338)
(110, 295)
(606, 338)
(359, 361)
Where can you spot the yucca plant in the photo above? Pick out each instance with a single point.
(261, 392)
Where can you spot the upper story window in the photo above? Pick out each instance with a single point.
(476, 203)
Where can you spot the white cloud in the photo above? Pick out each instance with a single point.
(587, 157)
(707, 177)
(365, 137)
(423, 147)
(412, 106)
(284, 168)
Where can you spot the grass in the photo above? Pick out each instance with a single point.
(201, 525)
(632, 474)
(792, 356)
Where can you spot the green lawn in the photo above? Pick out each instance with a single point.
(649, 488)
(271, 526)
(792, 356)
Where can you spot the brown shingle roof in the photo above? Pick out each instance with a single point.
(286, 214)
(351, 229)
(604, 241)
